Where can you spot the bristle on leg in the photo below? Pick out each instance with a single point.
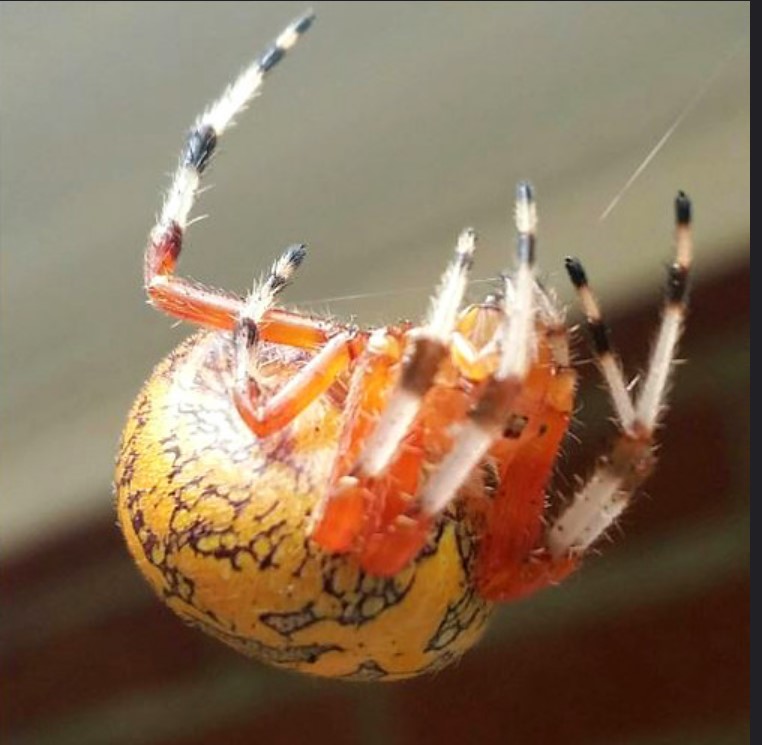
(427, 347)
(598, 504)
(175, 295)
(487, 419)
(600, 343)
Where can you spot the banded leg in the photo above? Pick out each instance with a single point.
(265, 412)
(488, 418)
(183, 298)
(358, 504)
(402, 537)
(603, 498)
(426, 349)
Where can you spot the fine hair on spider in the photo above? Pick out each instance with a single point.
(283, 473)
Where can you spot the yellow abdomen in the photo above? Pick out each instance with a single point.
(217, 521)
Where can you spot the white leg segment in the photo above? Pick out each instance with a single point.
(653, 394)
(593, 510)
(488, 418)
(471, 446)
(428, 346)
(213, 123)
(600, 502)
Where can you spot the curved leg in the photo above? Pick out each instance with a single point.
(251, 319)
(267, 412)
(179, 297)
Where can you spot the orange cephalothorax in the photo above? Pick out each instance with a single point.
(349, 502)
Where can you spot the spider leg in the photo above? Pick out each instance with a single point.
(266, 413)
(487, 419)
(599, 335)
(374, 451)
(349, 507)
(524, 459)
(403, 528)
(426, 348)
(510, 561)
(183, 298)
(602, 499)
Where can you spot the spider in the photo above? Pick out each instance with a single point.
(353, 502)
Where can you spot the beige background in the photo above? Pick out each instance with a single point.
(390, 128)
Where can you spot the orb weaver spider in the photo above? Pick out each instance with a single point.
(349, 502)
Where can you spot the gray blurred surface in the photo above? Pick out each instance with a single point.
(391, 127)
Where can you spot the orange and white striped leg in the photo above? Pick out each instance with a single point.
(177, 296)
(265, 412)
(487, 419)
(405, 533)
(427, 346)
(358, 502)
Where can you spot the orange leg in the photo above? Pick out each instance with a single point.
(379, 519)
(183, 298)
(351, 504)
(512, 559)
(196, 303)
(403, 528)
(189, 301)
(266, 414)
(381, 458)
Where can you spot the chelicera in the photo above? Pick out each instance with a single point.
(352, 502)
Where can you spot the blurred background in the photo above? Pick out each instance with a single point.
(390, 128)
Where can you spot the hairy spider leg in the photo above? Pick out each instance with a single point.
(349, 508)
(401, 533)
(427, 347)
(486, 421)
(607, 361)
(378, 467)
(184, 298)
(602, 499)
(512, 561)
(252, 319)
(265, 412)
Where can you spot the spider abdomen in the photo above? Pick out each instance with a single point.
(218, 521)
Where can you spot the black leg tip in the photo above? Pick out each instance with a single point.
(296, 254)
(270, 58)
(576, 272)
(304, 21)
(683, 209)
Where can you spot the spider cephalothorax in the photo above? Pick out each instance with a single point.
(351, 502)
